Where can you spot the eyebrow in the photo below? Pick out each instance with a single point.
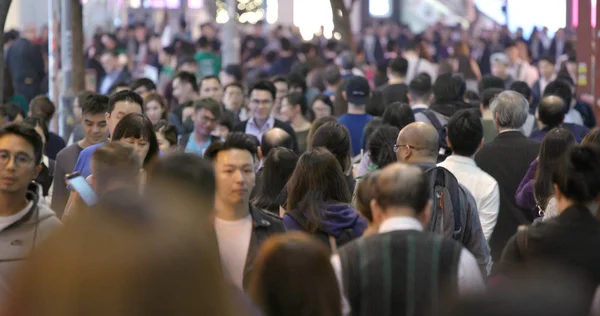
(237, 166)
(16, 153)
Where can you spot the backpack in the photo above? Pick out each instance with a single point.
(446, 207)
(345, 237)
(445, 150)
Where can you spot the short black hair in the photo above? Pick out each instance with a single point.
(125, 95)
(210, 105)
(12, 110)
(203, 42)
(185, 60)
(235, 71)
(209, 77)
(561, 89)
(399, 66)
(143, 82)
(189, 170)
(120, 84)
(264, 86)
(28, 133)
(235, 140)
(225, 120)
(420, 87)
(522, 88)
(168, 130)
(35, 121)
(286, 45)
(187, 77)
(94, 104)
(551, 112)
(277, 79)
(332, 75)
(489, 95)
(297, 80)
(490, 81)
(234, 84)
(465, 132)
(398, 114)
(548, 59)
(449, 87)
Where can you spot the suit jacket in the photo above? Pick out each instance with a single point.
(26, 65)
(506, 159)
(241, 127)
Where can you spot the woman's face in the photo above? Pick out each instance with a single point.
(287, 110)
(140, 145)
(321, 109)
(154, 111)
(163, 143)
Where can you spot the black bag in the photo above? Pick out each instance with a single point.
(444, 150)
(345, 237)
(446, 208)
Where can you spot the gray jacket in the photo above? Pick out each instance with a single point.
(18, 240)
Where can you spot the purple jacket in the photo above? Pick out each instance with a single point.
(524, 196)
(335, 219)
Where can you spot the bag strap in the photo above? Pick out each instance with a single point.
(522, 240)
(454, 197)
(433, 119)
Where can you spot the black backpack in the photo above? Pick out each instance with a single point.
(345, 237)
(445, 150)
(446, 206)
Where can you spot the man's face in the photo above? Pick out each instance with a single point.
(233, 98)
(109, 63)
(234, 170)
(143, 91)
(94, 128)
(499, 70)
(121, 109)
(512, 53)
(282, 90)
(211, 88)
(181, 90)
(17, 164)
(205, 122)
(226, 78)
(261, 104)
(546, 68)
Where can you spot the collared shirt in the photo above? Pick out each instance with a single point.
(193, 147)
(544, 83)
(483, 187)
(108, 81)
(469, 276)
(419, 106)
(253, 129)
(573, 117)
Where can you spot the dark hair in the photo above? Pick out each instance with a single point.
(317, 179)
(489, 95)
(277, 79)
(286, 45)
(522, 88)
(81, 96)
(365, 192)
(210, 105)
(121, 84)
(592, 138)
(203, 42)
(554, 145)
(185, 60)
(552, 110)
(235, 85)
(264, 86)
(332, 75)
(277, 169)
(449, 87)
(490, 81)
(465, 132)
(335, 137)
(381, 145)
(323, 98)
(420, 87)
(369, 129)
(187, 77)
(138, 126)
(315, 126)
(225, 120)
(314, 284)
(29, 134)
(297, 98)
(94, 104)
(143, 82)
(35, 121)
(548, 58)
(297, 80)
(399, 66)
(127, 96)
(11, 111)
(114, 162)
(42, 107)
(270, 141)
(235, 71)
(235, 140)
(578, 174)
(472, 98)
(169, 131)
(561, 89)
(209, 77)
(398, 114)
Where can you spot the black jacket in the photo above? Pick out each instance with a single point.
(26, 65)
(264, 225)
(507, 159)
(241, 127)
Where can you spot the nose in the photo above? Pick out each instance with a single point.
(238, 177)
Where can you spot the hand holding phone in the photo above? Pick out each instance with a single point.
(78, 183)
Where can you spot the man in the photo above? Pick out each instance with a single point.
(231, 74)
(43, 108)
(233, 101)
(419, 92)
(25, 218)
(209, 63)
(383, 274)
(333, 81)
(282, 88)
(551, 113)
(273, 139)
(185, 91)
(417, 144)
(546, 66)
(506, 159)
(562, 89)
(584, 109)
(346, 65)
(241, 228)
(119, 105)
(210, 87)
(26, 65)
(206, 113)
(465, 137)
(114, 72)
(262, 97)
(500, 69)
(519, 69)
(416, 64)
(557, 47)
(357, 94)
(285, 60)
(95, 129)
(143, 86)
(395, 89)
(530, 125)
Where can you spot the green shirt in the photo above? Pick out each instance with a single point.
(209, 64)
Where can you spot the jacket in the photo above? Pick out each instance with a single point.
(241, 127)
(20, 239)
(26, 65)
(264, 225)
(525, 195)
(578, 131)
(336, 218)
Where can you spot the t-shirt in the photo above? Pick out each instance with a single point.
(394, 92)
(209, 64)
(234, 240)
(6, 221)
(65, 162)
(356, 125)
(193, 147)
(83, 165)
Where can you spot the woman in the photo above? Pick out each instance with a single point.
(315, 126)
(156, 107)
(293, 109)
(398, 114)
(535, 189)
(335, 137)
(465, 65)
(318, 200)
(381, 146)
(294, 277)
(136, 130)
(166, 136)
(322, 106)
(570, 240)
(276, 171)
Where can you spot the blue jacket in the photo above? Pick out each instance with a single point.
(335, 218)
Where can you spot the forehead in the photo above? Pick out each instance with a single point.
(127, 107)
(281, 85)
(234, 157)
(261, 95)
(94, 117)
(15, 143)
(210, 82)
(205, 112)
(233, 89)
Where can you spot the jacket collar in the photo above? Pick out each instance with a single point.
(258, 218)
(577, 213)
(510, 134)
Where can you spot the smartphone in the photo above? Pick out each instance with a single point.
(78, 183)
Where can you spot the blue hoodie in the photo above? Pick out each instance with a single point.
(335, 218)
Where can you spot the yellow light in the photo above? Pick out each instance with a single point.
(243, 18)
(222, 17)
(337, 36)
(241, 6)
(250, 6)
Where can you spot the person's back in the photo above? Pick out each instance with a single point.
(26, 66)
(356, 124)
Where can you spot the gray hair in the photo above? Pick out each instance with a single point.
(510, 109)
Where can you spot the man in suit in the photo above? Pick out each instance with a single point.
(115, 74)
(26, 65)
(262, 98)
(506, 159)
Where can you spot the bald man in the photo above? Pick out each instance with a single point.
(454, 211)
(551, 113)
(401, 209)
(274, 138)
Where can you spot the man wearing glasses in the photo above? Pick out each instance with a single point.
(25, 217)
(206, 113)
(262, 99)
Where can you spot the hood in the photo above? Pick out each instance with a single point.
(449, 108)
(339, 217)
(34, 193)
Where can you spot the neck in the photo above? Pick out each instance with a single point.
(259, 122)
(356, 109)
(299, 122)
(410, 53)
(416, 160)
(12, 203)
(84, 143)
(396, 80)
(228, 212)
(200, 139)
(563, 204)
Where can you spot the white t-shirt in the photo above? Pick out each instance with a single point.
(234, 240)
(6, 221)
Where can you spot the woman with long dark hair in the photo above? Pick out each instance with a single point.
(276, 171)
(136, 130)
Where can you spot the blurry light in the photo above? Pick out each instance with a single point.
(243, 18)
(327, 35)
(272, 11)
(241, 6)
(222, 16)
(250, 6)
(337, 36)
(135, 3)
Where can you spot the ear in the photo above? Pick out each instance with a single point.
(260, 153)
(107, 116)
(377, 212)
(481, 143)
(448, 141)
(425, 216)
(344, 95)
(410, 100)
(37, 170)
(481, 108)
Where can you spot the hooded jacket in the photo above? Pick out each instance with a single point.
(18, 240)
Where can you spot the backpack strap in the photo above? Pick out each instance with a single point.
(433, 119)
(522, 240)
(441, 181)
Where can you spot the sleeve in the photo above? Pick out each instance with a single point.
(470, 280)
(511, 258)
(473, 238)
(488, 213)
(524, 195)
(336, 263)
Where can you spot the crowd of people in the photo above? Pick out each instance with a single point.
(428, 174)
